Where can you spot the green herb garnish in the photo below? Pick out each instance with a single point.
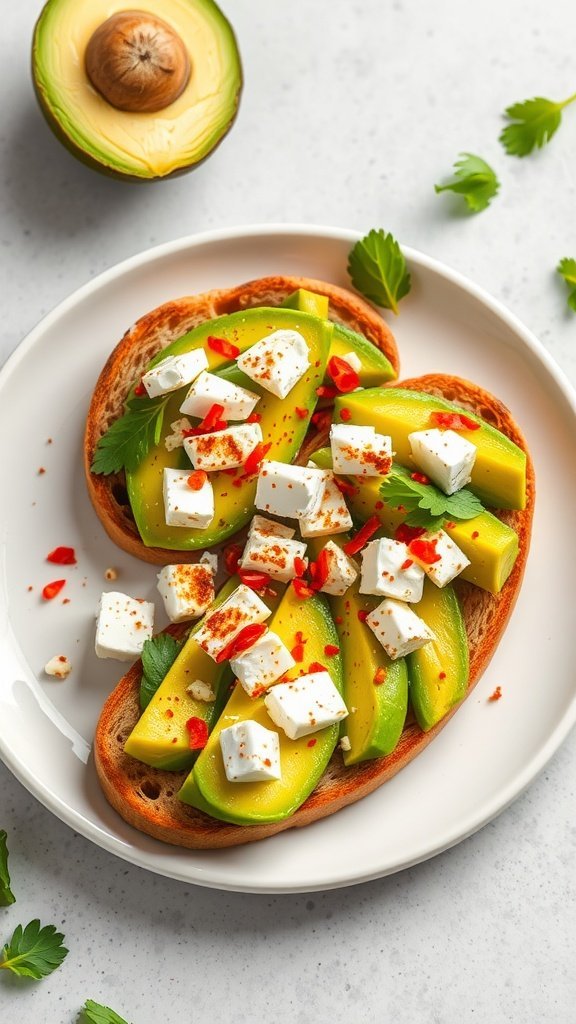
(98, 1014)
(378, 269)
(567, 269)
(426, 504)
(158, 656)
(131, 437)
(33, 951)
(7, 897)
(474, 179)
(533, 123)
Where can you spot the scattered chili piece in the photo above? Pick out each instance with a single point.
(299, 637)
(406, 534)
(299, 566)
(362, 615)
(223, 347)
(239, 481)
(232, 555)
(345, 487)
(301, 589)
(52, 589)
(297, 652)
(197, 732)
(380, 676)
(453, 421)
(475, 534)
(254, 417)
(254, 580)
(356, 543)
(496, 695)
(316, 666)
(424, 550)
(41, 471)
(344, 376)
(213, 416)
(197, 479)
(258, 692)
(233, 471)
(345, 415)
(300, 412)
(140, 390)
(325, 391)
(420, 478)
(449, 525)
(256, 457)
(407, 563)
(331, 650)
(338, 620)
(441, 675)
(245, 639)
(322, 418)
(62, 556)
(378, 505)
(312, 742)
(321, 569)
(169, 713)
(66, 600)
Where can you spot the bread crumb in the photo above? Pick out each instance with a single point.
(496, 695)
(58, 666)
(111, 574)
(200, 690)
(345, 743)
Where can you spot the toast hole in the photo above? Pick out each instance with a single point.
(489, 415)
(150, 789)
(120, 494)
(169, 792)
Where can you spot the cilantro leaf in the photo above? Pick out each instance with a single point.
(377, 269)
(158, 656)
(98, 1014)
(474, 179)
(426, 504)
(567, 269)
(533, 123)
(33, 951)
(6, 895)
(131, 437)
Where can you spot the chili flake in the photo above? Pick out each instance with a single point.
(316, 666)
(453, 421)
(496, 695)
(331, 650)
(344, 376)
(299, 566)
(140, 390)
(223, 347)
(198, 733)
(356, 543)
(254, 580)
(405, 534)
(345, 415)
(301, 413)
(424, 550)
(197, 479)
(256, 457)
(380, 676)
(301, 589)
(51, 590)
(232, 555)
(62, 556)
(407, 563)
(245, 639)
(420, 478)
(312, 742)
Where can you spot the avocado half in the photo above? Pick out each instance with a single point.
(136, 144)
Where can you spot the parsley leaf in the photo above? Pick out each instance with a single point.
(533, 123)
(131, 437)
(6, 895)
(33, 951)
(426, 504)
(98, 1014)
(474, 179)
(378, 270)
(158, 656)
(567, 269)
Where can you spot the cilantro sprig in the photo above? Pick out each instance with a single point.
(34, 951)
(131, 437)
(377, 269)
(567, 269)
(532, 124)
(98, 1014)
(7, 897)
(158, 656)
(474, 180)
(426, 505)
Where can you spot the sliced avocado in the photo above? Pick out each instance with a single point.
(302, 763)
(499, 473)
(308, 302)
(438, 672)
(197, 83)
(280, 426)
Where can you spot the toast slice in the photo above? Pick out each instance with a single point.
(147, 797)
(155, 331)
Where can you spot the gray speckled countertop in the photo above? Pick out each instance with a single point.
(351, 111)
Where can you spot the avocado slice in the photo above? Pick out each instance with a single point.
(280, 426)
(499, 473)
(136, 144)
(248, 803)
(438, 672)
(308, 302)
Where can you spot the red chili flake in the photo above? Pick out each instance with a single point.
(344, 376)
(378, 505)
(254, 417)
(41, 471)
(441, 675)
(232, 554)
(62, 556)
(321, 569)
(198, 733)
(316, 666)
(356, 543)
(322, 418)
(420, 478)
(254, 580)
(301, 413)
(331, 650)
(212, 418)
(52, 589)
(301, 589)
(239, 481)
(407, 563)
(453, 421)
(424, 550)
(449, 525)
(66, 600)
(230, 472)
(325, 391)
(345, 487)
(140, 390)
(496, 695)
(297, 652)
(29, 587)
(475, 534)
(169, 713)
(406, 534)
(197, 479)
(312, 742)
(380, 676)
(256, 457)
(345, 415)
(258, 692)
(245, 639)
(338, 620)
(362, 615)
(299, 566)
(300, 638)
(223, 347)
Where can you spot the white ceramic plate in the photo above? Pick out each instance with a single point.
(489, 751)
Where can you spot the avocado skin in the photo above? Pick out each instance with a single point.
(431, 696)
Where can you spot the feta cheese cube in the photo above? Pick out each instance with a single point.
(250, 752)
(305, 705)
(445, 456)
(184, 506)
(123, 624)
(187, 590)
(269, 528)
(331, 515)
(289, 491)
(223, 624)
(359, 451)
(452, 560)
(262, 664)
(277, 362)
(342, 570)
(223, 449)
(352, 359)
(272, 555)
(398, 628)
(58, 666)
(208, 390)
(199, 690)
(211, 560)
(390, 570)
(174, 372)
(176, 438)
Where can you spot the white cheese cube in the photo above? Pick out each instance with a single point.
(223, 449)
(176, 438)
(451, 562)
(352, 359)
(342, 570)
(187, 590)
(269, 528)
(277, 362)
(272, 555)
(174, 372)
(199, 690)
(211, 560)
(223, 624)
(398, 628)
(185, 506)
(444, 456)
(305, 705)
(250, 752)
(359, 451)
(332, 515)
(262, 664)
(123, 624)
(208, 390)
(389, 569)
(289, 491)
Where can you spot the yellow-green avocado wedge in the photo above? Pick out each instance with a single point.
(499, 472)
(438, 672)
(280, 425)
(302, 763)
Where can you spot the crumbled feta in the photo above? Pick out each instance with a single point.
(174, 372)
(345, 743)
(250, 752)
(211, 560)
(176, 438)
(269, 528)
(359, 451)
(289, 491)
(262, 664)
(352, 359)
(452, 560)
(398, 628)
(208, 390)
(111, 574)
(223, 449)
(200, 690)
(305, 705)
(342, 570)
(272, 555)
(222, 625)
(332, 515)
(389, 569)
(185, 506)
(123, 624)
(58, 666)
(445, 456)
(187, 590)
(277, 362)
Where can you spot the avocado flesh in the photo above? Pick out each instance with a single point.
(308, 302)
(248, 803)
(499, 472)
(431, 696)
(234, 506)
(492, 553)
(137, 146)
